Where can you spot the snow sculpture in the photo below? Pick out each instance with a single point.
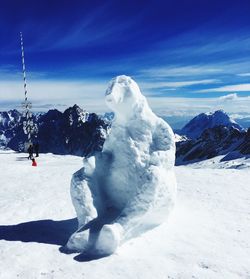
(130, 186)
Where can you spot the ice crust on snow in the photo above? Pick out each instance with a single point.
(130, 186)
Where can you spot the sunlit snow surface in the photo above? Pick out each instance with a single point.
(207, 236)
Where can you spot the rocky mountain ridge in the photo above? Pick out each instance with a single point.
(72, 132)
(209, 135)
(79, 133)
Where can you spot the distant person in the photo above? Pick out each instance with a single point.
(30, 151)
(36, 149)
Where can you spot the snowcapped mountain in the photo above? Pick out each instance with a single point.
(65, 132)
(194, 128)
(212, 134)
(9, 120)
(219, 140)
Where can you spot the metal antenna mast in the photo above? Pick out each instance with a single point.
(29, 127)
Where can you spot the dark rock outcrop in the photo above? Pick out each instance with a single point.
(65, 133)
(219, 140)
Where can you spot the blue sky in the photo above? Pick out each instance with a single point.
(180, 52)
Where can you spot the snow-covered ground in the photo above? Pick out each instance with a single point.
(219, 163)
(207, 236)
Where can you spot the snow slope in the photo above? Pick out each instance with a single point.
(207, 236)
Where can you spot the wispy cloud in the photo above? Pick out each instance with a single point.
(87, 31)
(229, 88)
(244, 75)
(89, 94)
(177, 71)
(229, 97)
(192, 106)
(215, 45)
(176, 84)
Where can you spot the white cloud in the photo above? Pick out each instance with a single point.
(240, 116)
(176, 84)
(192, 106)
(180, 71)
(244, 75)
(89, 94)
(229, 88)
(229, 97)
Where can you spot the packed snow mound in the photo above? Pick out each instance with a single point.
(194, 128)
(130, 186)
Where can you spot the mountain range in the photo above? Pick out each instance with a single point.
(70, 132)
(211, 134)
(58, 132)
(195, 127)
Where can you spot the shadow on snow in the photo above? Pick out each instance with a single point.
(42, 231)
(48, 232)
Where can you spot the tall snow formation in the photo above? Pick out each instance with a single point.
(130, 186)
(194, 128)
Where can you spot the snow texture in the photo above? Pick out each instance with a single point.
(207, 235)
(130, 186)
